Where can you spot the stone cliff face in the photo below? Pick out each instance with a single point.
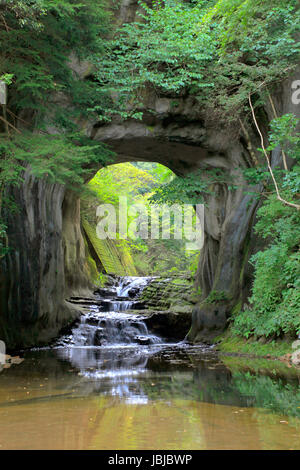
(47, 264)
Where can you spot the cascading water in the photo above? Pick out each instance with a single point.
(107, 324)
(131, 286)
(110, 347)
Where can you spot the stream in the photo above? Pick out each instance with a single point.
(110, 383)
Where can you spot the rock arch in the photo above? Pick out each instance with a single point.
(181, 142)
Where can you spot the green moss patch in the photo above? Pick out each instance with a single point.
(228, 343)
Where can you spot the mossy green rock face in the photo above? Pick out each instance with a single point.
(169, 292)
(114, 255)
(168, 305)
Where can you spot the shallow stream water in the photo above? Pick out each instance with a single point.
(133, 390)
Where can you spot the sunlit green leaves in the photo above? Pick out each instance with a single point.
(219, 51)
(60, 159)
(283, 133)
(191, 188)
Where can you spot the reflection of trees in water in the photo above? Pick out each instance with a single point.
(211, 381)
(194, 378)
(273, 394)
(156, 373)
(215, 385)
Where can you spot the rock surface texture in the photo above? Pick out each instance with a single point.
(46, 264)
(167, 305)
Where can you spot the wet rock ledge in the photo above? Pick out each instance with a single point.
(166, 304)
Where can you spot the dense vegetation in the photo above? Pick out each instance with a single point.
(219, 51)
(39, 38)
(275, 301)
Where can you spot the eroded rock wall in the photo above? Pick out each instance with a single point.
(230, 241)
(45, 265)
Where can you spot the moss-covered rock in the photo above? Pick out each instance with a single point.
(168, 303)
(113, 255)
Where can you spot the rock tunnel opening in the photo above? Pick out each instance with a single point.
(130, 225)
(186, 146)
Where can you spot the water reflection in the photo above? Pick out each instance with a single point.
(160, 372)
(150, 397)
(111, 384)
(110, 371)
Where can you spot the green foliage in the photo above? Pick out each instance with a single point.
(39, 37)
(219, 51)
(283, 133)
(125, 180)
(191, 188)
(194, 265)
(229, 342)
(26, 12)
(276, 291)
(62, 159)
(7, 78)
(275, 301)
(101, 279)
(275, 296)
(216, 296)
(164, 51)
(272, 394)
(137, 182)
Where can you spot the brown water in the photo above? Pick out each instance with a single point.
(155, 397)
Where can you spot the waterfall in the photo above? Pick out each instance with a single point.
(129, 286)
(106, 323)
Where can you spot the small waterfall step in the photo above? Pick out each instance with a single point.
(111, 328)
(106, 323)
(130, 286)
(109, 305)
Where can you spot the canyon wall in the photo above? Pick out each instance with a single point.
(46, 264)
